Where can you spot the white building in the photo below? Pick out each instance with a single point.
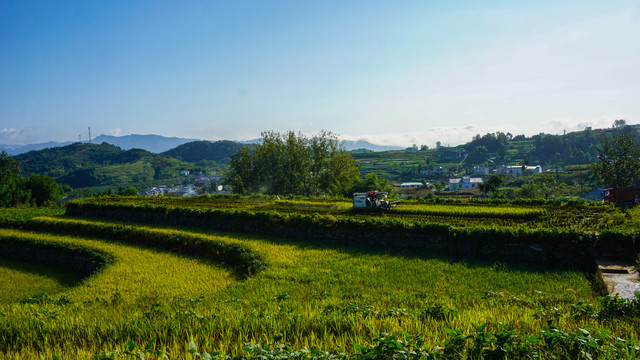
(408, 185)
(464, 183)
(515, 170)
(481, 170)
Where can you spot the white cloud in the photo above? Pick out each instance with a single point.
(456, 135)
(581, 70)
(115, 132)
(12, 136)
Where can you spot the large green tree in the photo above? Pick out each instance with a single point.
(619, 161)
(11, 185)
(43, 189)
(492, 184)
(292, 164)
(370, 182)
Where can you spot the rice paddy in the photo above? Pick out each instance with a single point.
(308, 295)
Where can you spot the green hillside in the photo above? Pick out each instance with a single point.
(85, 165)
(550, 151)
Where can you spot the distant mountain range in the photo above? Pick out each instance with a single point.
(153, 143)
(159, 144)
(18, 149)
(362, 144)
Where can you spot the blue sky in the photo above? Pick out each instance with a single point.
(396, 73)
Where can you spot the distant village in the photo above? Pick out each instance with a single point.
(480, 172)
(201, 185)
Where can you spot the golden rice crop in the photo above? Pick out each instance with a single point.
(41, 279)
(140, 272)
(315, 295)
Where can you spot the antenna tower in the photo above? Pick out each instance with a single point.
(89, 134)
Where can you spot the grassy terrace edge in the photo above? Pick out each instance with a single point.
(83, 260)
(540, 245)
(244, 262)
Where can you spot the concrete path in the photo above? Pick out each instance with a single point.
(620, 278)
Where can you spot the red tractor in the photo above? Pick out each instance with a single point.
(621, 195)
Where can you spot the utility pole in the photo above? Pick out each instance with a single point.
(89, 134)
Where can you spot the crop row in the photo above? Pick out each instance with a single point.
(258, 200)
(234, 255)
(68, 256)
(519, 244)
(133, 270)
(578, 215)
(332, 206)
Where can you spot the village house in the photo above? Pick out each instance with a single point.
(408, 185)
(439, 170)
(464, 183)
(481, 170)
(515, 170)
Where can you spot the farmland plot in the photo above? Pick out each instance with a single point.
(312, 295)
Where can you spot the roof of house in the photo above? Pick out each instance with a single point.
(465, 179)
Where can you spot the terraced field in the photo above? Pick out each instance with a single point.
(592, 217)
(181, 289)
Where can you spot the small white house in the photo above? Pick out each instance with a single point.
(184, 172)
(464, 183)
(409, 185)
(515, 170)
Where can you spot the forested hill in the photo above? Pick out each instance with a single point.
(219, 151)
(84, 165)
(493, 149)
(58, 161)
(575, 148)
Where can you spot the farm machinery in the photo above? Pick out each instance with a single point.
(622, 196)
(373, 201)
